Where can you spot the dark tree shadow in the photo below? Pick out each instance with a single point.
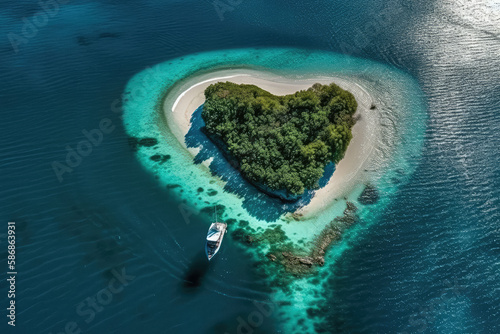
(258, 204)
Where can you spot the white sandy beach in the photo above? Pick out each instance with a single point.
(184, 99)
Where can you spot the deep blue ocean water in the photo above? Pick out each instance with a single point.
(431, 264)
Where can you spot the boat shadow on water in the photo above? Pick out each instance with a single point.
(255, 202)
(195, 273)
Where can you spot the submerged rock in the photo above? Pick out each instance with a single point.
(160, 158)
(369, 195)
(135, 142)
(271, 257)
(148, 142)
(320, 260)
(211, 192)
(209, 210)
(349, 217)
(299, 265)
(350, 209)
(306, 260)
(297, 215)
(325, 239)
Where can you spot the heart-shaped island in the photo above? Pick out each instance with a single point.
(206, 125)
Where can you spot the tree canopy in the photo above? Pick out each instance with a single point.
(283, 142)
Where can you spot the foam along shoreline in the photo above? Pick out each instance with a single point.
(183, 99)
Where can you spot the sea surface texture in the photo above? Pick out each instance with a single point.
(104, 247)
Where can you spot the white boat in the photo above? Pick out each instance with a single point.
(214, 238)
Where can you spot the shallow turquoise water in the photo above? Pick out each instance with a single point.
(402, 119)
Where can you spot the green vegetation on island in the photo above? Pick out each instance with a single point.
(280, 142)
